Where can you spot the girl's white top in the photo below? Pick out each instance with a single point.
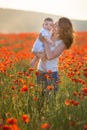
(50, 64)
(38, 45)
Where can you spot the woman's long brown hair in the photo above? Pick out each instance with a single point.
(66, 31)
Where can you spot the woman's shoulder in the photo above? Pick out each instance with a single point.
(60, 43)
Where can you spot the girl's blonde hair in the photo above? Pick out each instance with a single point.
(66, 31)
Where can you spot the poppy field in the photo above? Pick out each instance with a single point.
(22, 106)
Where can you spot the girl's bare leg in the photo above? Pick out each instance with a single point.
(44, 65)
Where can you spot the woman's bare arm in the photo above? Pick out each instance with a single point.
(56, 52)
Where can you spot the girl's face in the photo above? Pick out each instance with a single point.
(48, 25)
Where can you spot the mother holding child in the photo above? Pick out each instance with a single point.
(61, 38)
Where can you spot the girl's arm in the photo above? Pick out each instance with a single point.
(49, 40)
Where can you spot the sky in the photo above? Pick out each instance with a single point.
(74, 9)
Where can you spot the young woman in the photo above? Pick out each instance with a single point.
(63, 36)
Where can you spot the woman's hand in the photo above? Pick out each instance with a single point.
(40, 55)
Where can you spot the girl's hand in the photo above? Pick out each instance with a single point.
(42, 39)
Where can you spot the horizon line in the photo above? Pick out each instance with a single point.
(34, 11)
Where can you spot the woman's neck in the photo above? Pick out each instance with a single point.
(55, 37)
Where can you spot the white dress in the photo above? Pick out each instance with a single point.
(38, 45)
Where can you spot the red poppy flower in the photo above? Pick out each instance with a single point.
(85, 127)
(67, 102)
(25, 118)
(31, 69)
(24, 88)
(14, 127)
(6, 127)
(37, 73)
(45, 126)
(11, 120)
(50, 87)
(85, 73)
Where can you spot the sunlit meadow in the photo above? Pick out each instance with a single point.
(22, 106)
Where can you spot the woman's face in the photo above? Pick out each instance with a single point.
(55, 28)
